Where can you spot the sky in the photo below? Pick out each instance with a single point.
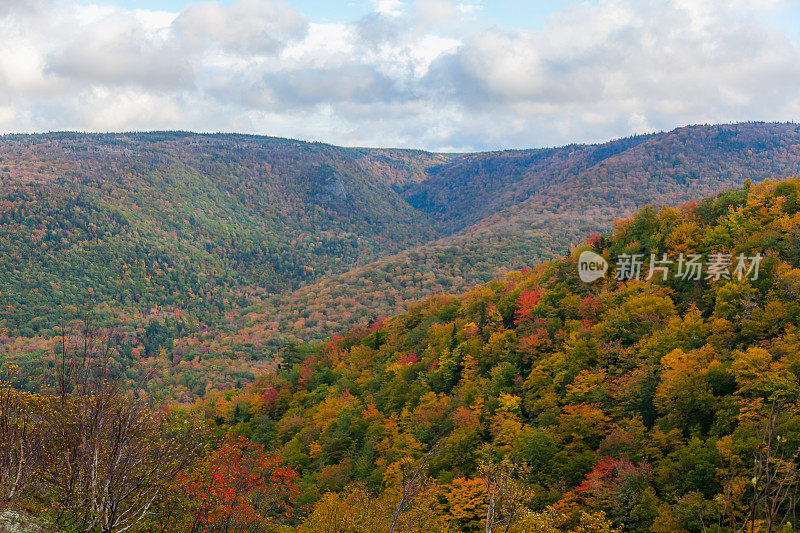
(434, 74)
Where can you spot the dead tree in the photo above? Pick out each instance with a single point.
(20, 439)
(504, 493)
(413, 484)
(109, 456)
(775, 479)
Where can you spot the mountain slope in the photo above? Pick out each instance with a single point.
(182, 220)
(615, 174)
(557, 197)
(645, 399)
(228, 249)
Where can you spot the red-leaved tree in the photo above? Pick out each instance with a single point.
(526, 303)
(239, 487)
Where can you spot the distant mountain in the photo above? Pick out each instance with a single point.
(189, 221)
(617, 174)
(230, 246)
(515, 209)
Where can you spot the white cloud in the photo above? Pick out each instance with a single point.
(118, 48)
(388, 7)
(117, 110)
(436, 12)
(599, 71)
(245, 27)
(428, 74)
(7, 115)
(324, 44)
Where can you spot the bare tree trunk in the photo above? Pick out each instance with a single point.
(411, 487)
(110, 455)
(503, 493)
(775, 478)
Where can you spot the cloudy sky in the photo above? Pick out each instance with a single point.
(434, 74)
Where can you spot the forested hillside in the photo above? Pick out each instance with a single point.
(187, 221)
(587, 180)
(586, 197)
(666, 404)
(535, 403)
(229, 250)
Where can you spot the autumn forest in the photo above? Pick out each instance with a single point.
(225, 333)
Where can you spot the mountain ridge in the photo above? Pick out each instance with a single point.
(234, 248)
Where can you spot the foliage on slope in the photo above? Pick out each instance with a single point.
(658, 167)
(530, 206)
(197, 223)
(214, 253)
(648, 400)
